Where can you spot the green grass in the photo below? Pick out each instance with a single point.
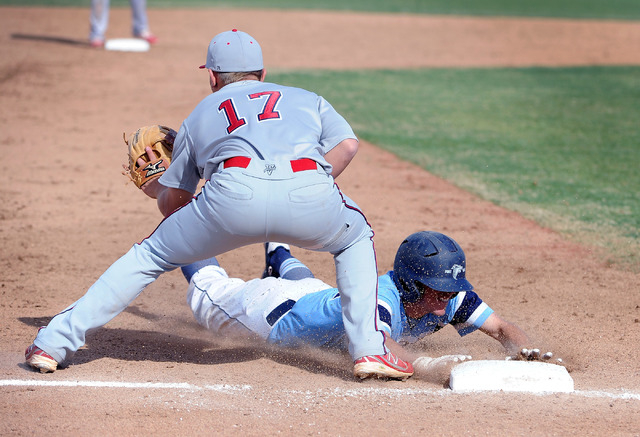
(561, 146)
(597, 9)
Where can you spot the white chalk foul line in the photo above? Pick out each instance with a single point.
(227, 388)
(117, 384)
(604, 394)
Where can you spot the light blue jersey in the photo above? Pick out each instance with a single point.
(316, 318)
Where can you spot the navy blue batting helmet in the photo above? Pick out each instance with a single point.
(432, 259)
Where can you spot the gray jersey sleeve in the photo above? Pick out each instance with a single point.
(335, 128)
(183, 172)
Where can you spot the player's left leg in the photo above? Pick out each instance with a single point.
(310, 212)
(189, 270)
(357, 280)
(211, 297)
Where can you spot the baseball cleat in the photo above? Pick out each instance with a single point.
(39, 359)
(148, 37)
(382, 366)
(96, 43)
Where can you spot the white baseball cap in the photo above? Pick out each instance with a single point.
(234, 51)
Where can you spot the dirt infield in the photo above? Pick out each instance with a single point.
(66, 213)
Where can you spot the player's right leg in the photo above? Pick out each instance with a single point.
(279, 263)
(211, 295)
(39, 359)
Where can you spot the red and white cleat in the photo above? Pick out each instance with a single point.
(382, 366)
(39, 359)
(148, 37)
(96, 43)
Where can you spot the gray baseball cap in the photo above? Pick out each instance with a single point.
(234, 51)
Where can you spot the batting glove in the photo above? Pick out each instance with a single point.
(428, 364)
(533, 355)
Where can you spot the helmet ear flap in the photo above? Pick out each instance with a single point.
(403, 276)
(409, 291)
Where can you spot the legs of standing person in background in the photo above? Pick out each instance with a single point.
(140, 23)
(98, 21)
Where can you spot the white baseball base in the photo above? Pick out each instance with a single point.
(127, 45)
(511, 376)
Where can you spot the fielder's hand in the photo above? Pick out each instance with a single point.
(149, 149)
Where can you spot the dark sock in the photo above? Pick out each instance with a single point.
(189, 270)
(287, 266)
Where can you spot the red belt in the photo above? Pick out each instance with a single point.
(296, 165)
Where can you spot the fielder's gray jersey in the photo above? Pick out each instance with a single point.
(260, 120)
(269, 197)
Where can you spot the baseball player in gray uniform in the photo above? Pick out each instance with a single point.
(269, 155)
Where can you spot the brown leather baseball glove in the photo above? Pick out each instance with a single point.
(143, 165)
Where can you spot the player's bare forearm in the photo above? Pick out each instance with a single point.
(509, 335)
(152, 188)
(169, 199)
(340, 156)
(513, 338)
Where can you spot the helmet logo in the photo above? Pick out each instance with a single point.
(455, 270)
